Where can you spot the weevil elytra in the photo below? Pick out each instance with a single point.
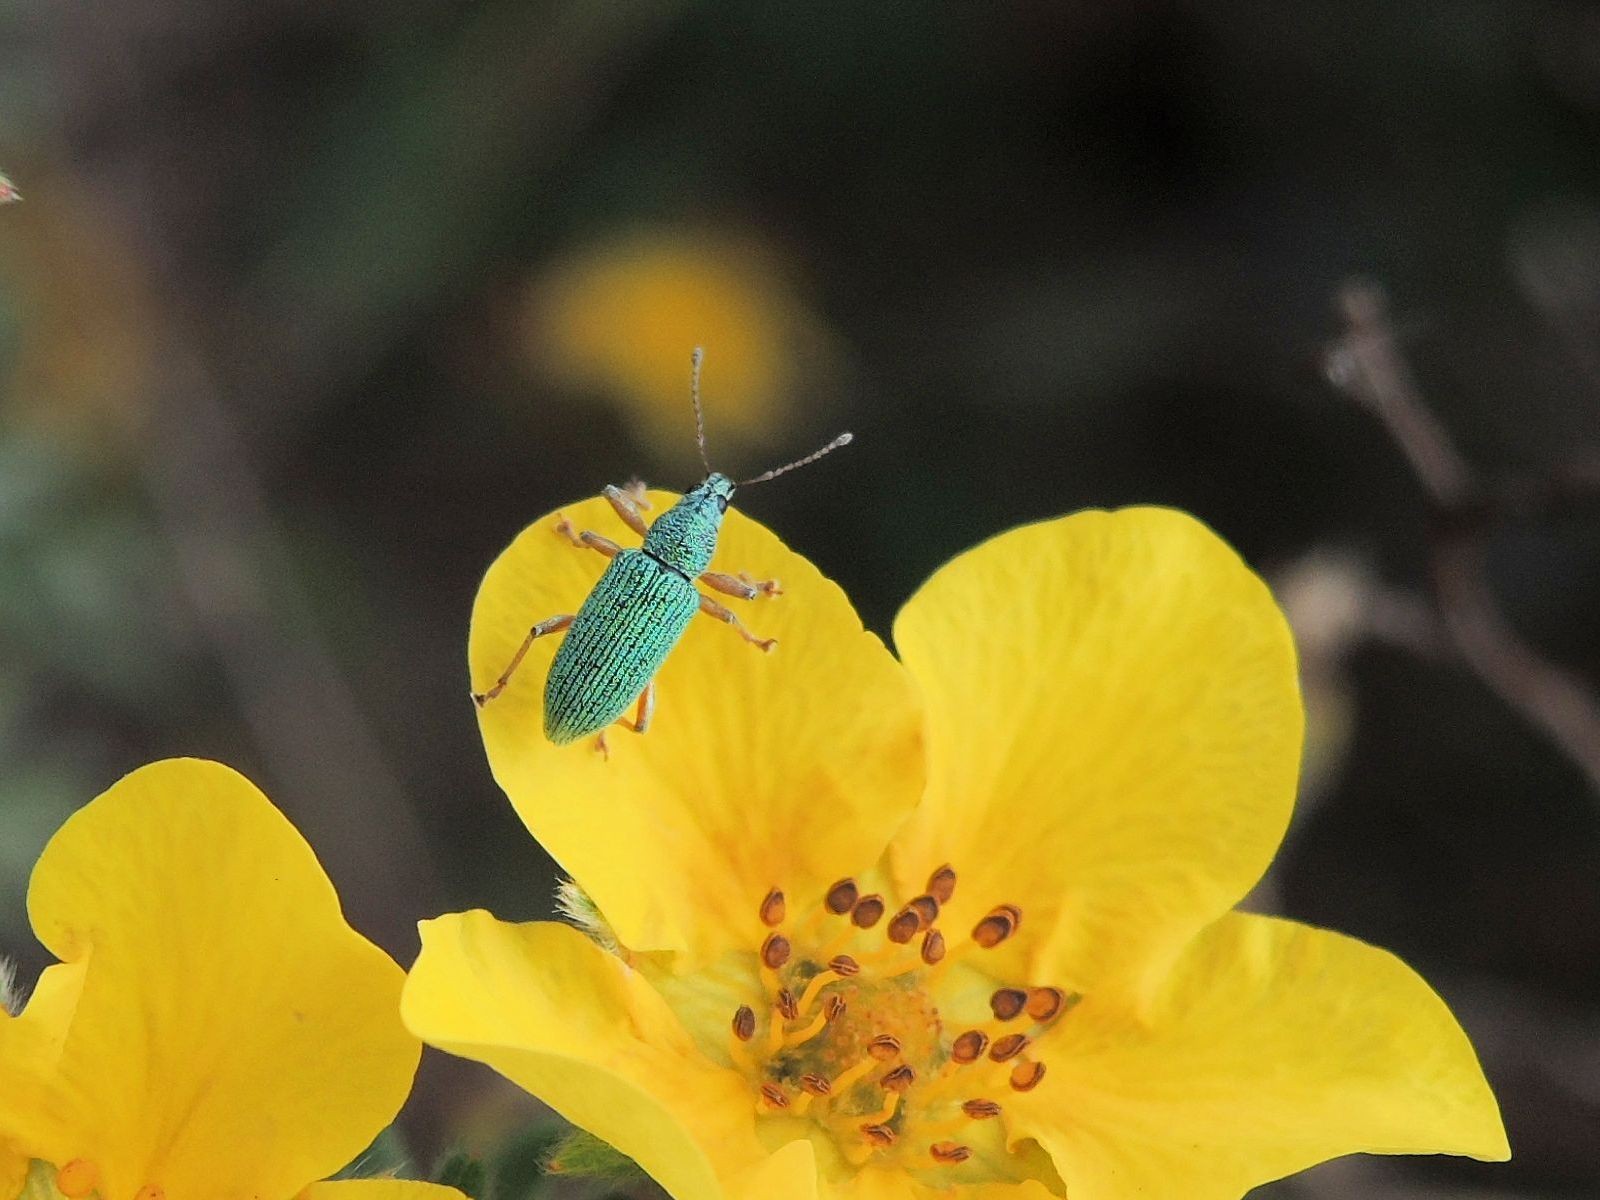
(643, 602)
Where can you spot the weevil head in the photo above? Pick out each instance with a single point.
(685, 536)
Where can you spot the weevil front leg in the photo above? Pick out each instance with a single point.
(712, 609)
(627, 503)
(547, 626)
(741, 585)
(587, 538)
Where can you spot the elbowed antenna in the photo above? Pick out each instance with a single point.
(696, 357)
(844, 439)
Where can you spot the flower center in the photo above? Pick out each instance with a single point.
(849, 1032)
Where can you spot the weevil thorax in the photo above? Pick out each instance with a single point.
(685, 536)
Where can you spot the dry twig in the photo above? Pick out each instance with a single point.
(1366, 364)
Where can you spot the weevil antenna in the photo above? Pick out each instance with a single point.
(696, 357)
(844, 439)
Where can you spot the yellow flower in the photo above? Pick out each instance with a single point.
(213, 1030)
(960, 921)
(616, 317)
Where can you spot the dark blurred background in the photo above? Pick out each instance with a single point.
(309, 308)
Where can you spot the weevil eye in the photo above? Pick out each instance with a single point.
(722, 503)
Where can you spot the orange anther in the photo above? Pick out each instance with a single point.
(774, 1096)
(981, 1110)
(1047, 1003)
(816, 1085)
(150, 1192)
(1000, 923)
(1008, 1003)
(775, 950)
(844, 966)
(77, 1179)
(833, 1007)
(932, 946)
(926, 907)
(868, 911)
(841, 897)
(788, 1004)
(878, 1135)
(1025, 1076)
(942, 884)
(949, 1153)
(969, 1047)
(899, 1080)
(904, 925)
(884, 1047)
(773, 908)
(744, 1023)
(1008, 1047)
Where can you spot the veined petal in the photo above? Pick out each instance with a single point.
(784, 770)
(231, 1034)
(888, 1183)
(1273, 1046)
(13, 1171)
(584, 1032)
(378, 1189)
(1113, 737)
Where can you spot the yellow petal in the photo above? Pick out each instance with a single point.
(1113, 734)
(13, 1171)
(232, 1034)
(585, 1033)
(886, 1183)
(378, 1189)
(789, 1173)
(787, 769)
(1273, 1046)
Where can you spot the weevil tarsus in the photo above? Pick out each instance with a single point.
(545, 627)
(743, 585)
(712, 609)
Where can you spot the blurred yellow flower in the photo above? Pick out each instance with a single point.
(213, 1030)
(617, 317)
(958, 925)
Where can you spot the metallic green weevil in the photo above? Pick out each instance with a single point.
(638, 611)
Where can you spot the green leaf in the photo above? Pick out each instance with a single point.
(463, 1172)
(582, 1155)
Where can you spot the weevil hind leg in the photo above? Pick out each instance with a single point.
(627, 504)
(742, 585)
(712, 609)
(548, 626)
(645, 710)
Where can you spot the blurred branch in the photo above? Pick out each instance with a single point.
(1367, 365)
(8, 191)
(308, 726)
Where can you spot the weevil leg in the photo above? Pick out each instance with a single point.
(600, 745)
(638, 491)
(547, 626)
(741, 585)
(646, 709)
(627, 507)
(712, 609)
(587, 538)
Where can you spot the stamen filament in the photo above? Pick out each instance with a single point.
(803, 1035)
(814, 989)
(891, 1102)
(844, 1081)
